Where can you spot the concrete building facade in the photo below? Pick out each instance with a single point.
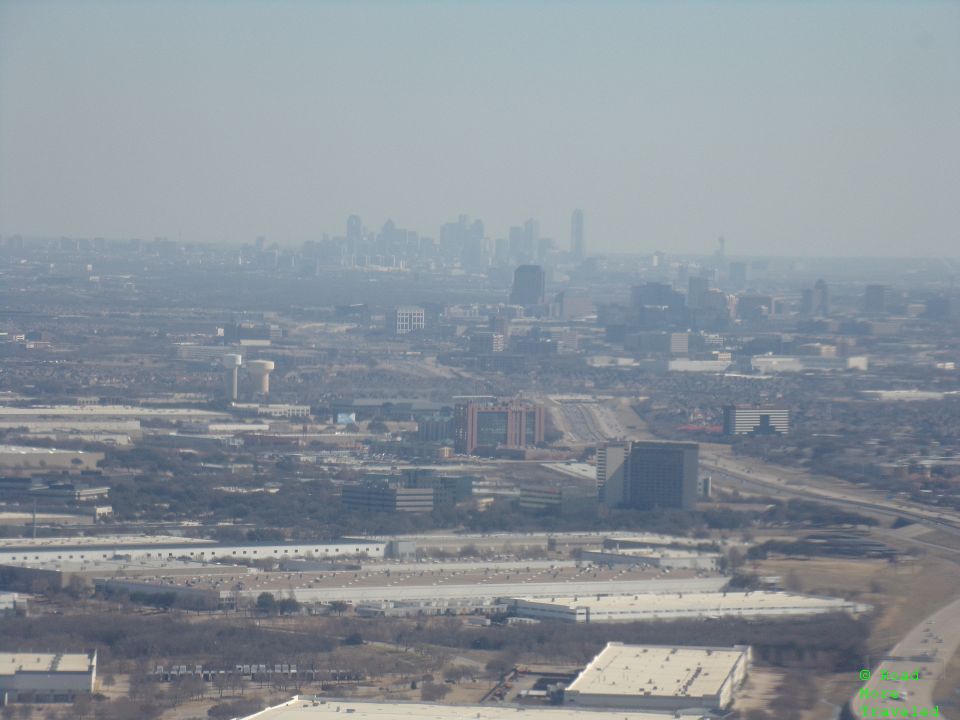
(755, 420)
(660, 677)
(27, 677)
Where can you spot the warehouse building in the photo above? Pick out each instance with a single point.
(410, 593)
(675, 605)
(78, 549)
(61, 574)
(27, 677)
(308, 707)
(660, 677)
(26, 460)
(665, 558)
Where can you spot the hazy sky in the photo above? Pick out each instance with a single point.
(789, 127)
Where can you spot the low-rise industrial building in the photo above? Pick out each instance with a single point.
(660, 677)
(307, 707)
(11, 603)
(663, 558)
(27, 677)
(414, 591)
(25, 459)
(64, 573)
(79, 549)
(672, 606)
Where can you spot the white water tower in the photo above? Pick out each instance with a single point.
(260, 370)
(232, 363)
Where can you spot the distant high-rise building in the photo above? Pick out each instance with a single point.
(529, 284)
(407, 319)
(755, 307)
(661, 475)
(738, 275)
(516, 244)
(577, 247)
(753, 420)
(611, 468)
(572, 304)
(492, 425)
(821, 298)
(697, 287)
(354, 229)
(875, 299)
(815, 301)
(531, 232)
(654, 294)
(484, 343)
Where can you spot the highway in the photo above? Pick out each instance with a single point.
(926, 648)
(586, 422)
(754, 475)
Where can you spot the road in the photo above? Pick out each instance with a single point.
(755, 474)
(927, 648)
(585, 421)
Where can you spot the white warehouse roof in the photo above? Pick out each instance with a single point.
(307, 708)
(658, 670)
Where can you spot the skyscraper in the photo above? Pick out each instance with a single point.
(875, 299)
(821, 299)
(661, 475)
(354, 229)
(529, 284)
(611, 466)
(577, 247)
(697, 287)
(737, 275)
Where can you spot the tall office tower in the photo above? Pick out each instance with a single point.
(407, 319)
(529, 284)
(354, 229)
(487, 424)
(821, 298)
(697, 287)
(531, 236)
(516, 245)
(738, 275)
(577, 247)
(500, 324)
(655, 294)
(544, 250)
(611, 467)
(755, 420)
(875, 299)
(662, 475)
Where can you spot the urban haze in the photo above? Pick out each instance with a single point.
(460, 359)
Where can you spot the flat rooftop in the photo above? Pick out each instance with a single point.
(138, 568)
(657, 670)
(700, 604)
(99, 541)
(29, 450)
(656, 539)
(399, 579)
(104, 411)
(306, 708)
(12, 663)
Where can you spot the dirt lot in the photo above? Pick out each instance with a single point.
(759, 690)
